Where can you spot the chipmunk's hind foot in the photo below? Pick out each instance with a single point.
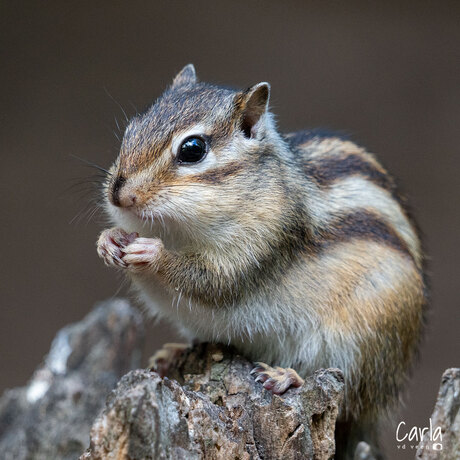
(277, 379)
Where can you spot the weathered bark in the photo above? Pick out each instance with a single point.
(446, 415)
(51, 417)
(210, 407)
(215, 410)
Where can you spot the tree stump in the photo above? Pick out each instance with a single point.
(51, 417)
(446, 415)
(214, 409)
(209, 406)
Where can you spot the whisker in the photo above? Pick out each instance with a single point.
(82, 188)
(89, 163)
(117, 103)
(134, 107)
(77, 218)
(90, 208)
(118, 126)
(123, 284)
(116, 136)
(92, 212)
(87, 180)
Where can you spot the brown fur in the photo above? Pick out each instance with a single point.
(303, 238)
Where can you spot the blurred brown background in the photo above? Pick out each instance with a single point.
(388, 75)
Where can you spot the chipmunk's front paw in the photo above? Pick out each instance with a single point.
(142, 254)
(276, 379)
(111, 244)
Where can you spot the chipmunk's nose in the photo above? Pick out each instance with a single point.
(122, 196)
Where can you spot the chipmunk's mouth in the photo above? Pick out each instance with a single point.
(132, 216)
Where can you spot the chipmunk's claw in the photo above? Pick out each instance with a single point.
(110, 246)
(277, 380)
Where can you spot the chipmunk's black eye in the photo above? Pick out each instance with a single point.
(192, 150)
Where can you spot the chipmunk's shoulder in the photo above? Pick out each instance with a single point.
(330, 155)
(302, 139)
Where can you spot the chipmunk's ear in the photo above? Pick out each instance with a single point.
(187, 76)
(251, 105)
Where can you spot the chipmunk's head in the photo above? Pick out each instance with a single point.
(194, 158)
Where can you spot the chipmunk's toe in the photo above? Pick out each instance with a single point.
(110, 246)
(141, 254)
(277, 380)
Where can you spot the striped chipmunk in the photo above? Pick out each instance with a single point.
(296, 249)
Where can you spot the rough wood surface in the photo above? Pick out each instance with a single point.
(213, 409)
(446, 415)
(51, 417)
(209, 407)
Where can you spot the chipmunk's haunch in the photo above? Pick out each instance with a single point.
(294, 248)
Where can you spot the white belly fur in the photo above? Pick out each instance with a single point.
(258, 328)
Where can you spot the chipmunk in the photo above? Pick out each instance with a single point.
(296, 249)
